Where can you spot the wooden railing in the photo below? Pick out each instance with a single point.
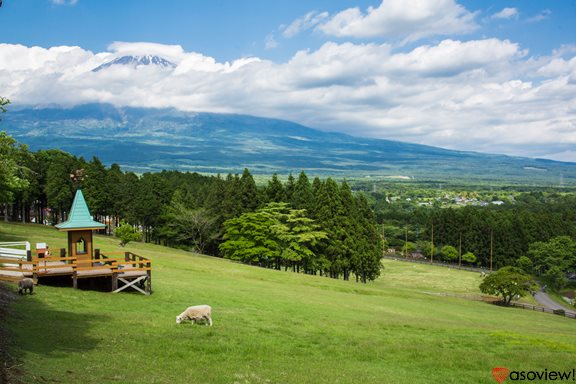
(12, 269)
(560, 312)
(128, 268)
(498, 301)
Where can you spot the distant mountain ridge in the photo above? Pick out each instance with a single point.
(137, 61)
(146, 139)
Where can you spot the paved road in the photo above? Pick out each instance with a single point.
(544, 300)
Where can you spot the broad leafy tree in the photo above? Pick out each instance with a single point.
(507, 282)
(449, 253)
(127, 233)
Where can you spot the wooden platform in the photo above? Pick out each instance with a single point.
(126, 271)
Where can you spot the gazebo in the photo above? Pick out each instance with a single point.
(131, 270)
(79, 227)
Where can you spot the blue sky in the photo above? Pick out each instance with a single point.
(490, 76)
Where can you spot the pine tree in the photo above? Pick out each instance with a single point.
(275, 190)
(248, 197)
(303, 197)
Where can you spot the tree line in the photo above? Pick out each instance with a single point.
(315, 227)
(534, 232)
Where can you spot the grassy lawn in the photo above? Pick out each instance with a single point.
(276, 327)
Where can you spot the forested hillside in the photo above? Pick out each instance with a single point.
(317, 226)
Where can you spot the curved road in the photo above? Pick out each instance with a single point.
(544, 300)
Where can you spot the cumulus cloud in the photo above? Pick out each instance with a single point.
(506, 13)
(485, 95)
(403, 20)
(174, 53)
(450, 58)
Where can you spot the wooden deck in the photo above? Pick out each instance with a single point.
(129, 270)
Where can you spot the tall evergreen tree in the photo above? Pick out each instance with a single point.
(303, 197)
(248, 197)
(275, 190)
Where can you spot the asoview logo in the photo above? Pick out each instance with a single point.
(502, 374)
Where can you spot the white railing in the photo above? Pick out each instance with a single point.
(13, 250)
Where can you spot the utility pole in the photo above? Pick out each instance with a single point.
(406, 243)
(491, 246)
(432, 245)
(383, 241)
(460, 252)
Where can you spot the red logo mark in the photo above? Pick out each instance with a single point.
(500, 374)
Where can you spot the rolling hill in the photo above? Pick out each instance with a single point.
(274, 326)
(146, 139)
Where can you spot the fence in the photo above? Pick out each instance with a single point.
(498, 301)
(13, 250)
(560, 312)
(437, 264)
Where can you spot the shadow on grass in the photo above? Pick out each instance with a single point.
(40, 329)
(11, 237)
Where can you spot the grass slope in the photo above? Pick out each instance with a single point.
(277, 327)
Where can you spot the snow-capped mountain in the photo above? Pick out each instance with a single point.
(137, 61)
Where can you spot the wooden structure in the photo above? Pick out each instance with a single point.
(82, 261)
(79, 227)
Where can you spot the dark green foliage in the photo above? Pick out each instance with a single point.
(3, 102)
(558, 252)
(12, 178)
(275, 190)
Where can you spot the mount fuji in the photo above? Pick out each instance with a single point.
(137, 61)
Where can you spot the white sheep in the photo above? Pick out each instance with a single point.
(196, 313)
(25, 284)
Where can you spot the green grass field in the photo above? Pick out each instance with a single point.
(276, 327)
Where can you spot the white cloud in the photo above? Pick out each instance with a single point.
(506, 13)
(173, 53)
(403, 20)
(544, 15)
(64, 2)
(270, 42)
(485, 95)
(306, 22)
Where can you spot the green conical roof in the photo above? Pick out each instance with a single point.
(79, 217)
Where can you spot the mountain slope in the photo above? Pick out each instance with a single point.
(137, 61)
(144, 139)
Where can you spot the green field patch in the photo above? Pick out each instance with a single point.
(275, 326)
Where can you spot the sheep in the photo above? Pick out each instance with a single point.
(196, 313)
(25, 284)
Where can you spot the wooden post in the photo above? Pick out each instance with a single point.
(149, 282)
(97, 254)
(114, 281)
(62, 252)
(491, 247)
(28, 255)
(432, 245)
(460, 252)
(75, 280)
